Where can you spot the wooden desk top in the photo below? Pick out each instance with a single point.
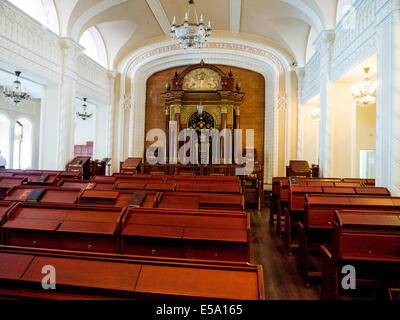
(86, 273)
(143, 277)
(106, 228)
(13, 266)
(64, 218)
(371, 219)
(52, 194)
(198, 282)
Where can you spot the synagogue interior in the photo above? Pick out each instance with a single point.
(200, 149)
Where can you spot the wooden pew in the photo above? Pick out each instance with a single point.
(110, 276)
(283, 189)
(60, 174)
(85, 184)
(74, 183)
(190, 234)
(48, 195)
(297, 197)
(6, 183)
(131, 165)
(366, 182)
(118, 199)
(318, 223)
(137, 185)
(5, 207)
(368, 241)
(40, 178)
(202, 201)
(80, 165)
(63, 227)
(212, 188)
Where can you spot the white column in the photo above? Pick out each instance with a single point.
(325, 44)
(388, 97)
(10, 165)
(67, 93)
(300, 72)
(58, 111)
(110, 123)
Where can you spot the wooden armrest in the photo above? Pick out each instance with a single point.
(326, 252)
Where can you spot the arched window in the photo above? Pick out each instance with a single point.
(93, 43)
(43, 11)
(5, 137)
(22, 144)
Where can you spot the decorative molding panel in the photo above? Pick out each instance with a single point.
(311, 80)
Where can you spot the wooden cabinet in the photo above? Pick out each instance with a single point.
(186, 234)
(63, 227)
(370, 242)
(110, 277)
(81, 165)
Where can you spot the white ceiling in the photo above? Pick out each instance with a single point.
(126, 25)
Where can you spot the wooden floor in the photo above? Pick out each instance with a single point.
(282, 281)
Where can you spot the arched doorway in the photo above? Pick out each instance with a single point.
(201, 122)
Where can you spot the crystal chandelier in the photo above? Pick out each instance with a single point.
(84, 115)
(364, 93)
(191, 34)
(15, 94)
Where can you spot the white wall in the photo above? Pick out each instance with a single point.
(310, 138)
(31, 112)
(85, 130)
(92, 129)
(343, 132)
(365, 131)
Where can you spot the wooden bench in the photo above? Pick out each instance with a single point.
(5, 207)
(49, 195)
(294, 212)
(131, 165)
(190, 234)
(369, 241)
(205, 201)
(118, 199)
(63, 227)
(7, 183)
(108, 276)
(318, 223)
(283, 195)
(40, 178)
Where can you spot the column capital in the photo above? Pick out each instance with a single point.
(71, 47)
(112, 74)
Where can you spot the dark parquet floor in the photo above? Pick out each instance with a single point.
(281, 279)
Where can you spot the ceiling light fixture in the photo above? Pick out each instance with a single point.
(84, 115)
(364, 93)
(191, 34)
(15, 94)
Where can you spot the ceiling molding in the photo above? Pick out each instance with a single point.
(314, 19)
(91, 13)
(235, 12)
(159, 13)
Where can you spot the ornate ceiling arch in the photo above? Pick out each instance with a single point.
(145, 62)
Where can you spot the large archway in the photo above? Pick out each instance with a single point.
(262, 59)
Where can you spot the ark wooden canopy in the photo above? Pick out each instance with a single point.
(207, 85)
